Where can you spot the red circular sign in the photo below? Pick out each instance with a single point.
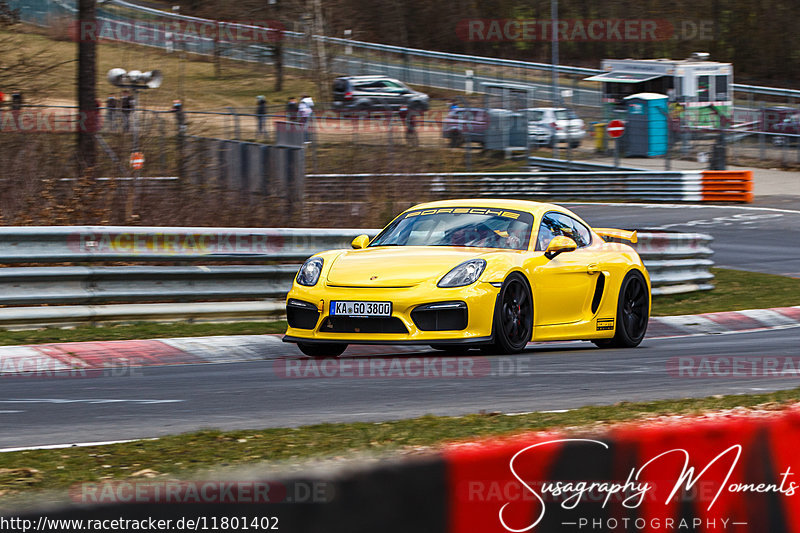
(615, 128)
(137, 160)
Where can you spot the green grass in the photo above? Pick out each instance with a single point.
(188, 454)
(734, 290)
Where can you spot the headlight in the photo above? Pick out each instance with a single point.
(466, 273)
(309, 272)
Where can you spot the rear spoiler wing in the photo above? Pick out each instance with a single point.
(621, 234)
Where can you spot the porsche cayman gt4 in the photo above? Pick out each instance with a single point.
(490, 274)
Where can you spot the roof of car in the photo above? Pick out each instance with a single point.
(496, 203)
(366, 77)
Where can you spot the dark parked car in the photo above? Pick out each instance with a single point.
(376, 93)
(465, 124)
(471, 124)
(773, 117)
(790, 127)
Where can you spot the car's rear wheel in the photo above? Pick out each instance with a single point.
(633, 312)
(322, 350)
(513, 316)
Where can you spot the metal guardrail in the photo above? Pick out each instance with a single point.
(93, 244)
(557, 165)
(677, 262)
(618, 185)
(36, 296)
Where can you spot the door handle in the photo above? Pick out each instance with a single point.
(592, 269)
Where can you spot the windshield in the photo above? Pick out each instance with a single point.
(565, 114)
(478, 227)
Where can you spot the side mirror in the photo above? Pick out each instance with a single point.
(360, 242)
(559, 245)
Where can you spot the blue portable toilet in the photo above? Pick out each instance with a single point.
(646, 125)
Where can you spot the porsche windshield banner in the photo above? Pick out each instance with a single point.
(466, 211)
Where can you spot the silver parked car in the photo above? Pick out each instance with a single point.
(566, 126)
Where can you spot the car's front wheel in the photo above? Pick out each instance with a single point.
(633, 312)
(513, 316)
(322, 350)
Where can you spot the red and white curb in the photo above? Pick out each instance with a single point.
(77, 357)
(46, 359)
(724, 322)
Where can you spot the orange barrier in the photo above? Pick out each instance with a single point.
(728, 186)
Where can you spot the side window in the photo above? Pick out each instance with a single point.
(581, 234)
(548, 229)
(371, 86)
(703, 88)
(537, 116)
(721, 88)
(558, 224)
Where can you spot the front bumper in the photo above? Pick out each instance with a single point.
(563, 136)
(479, 298)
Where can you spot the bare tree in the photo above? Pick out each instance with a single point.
(87, 97)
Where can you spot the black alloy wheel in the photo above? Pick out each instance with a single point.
(513, 316)
(633, 313)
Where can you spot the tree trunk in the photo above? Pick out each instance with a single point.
(88, 112)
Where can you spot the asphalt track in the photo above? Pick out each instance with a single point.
(763, 238)
(162, 400)
(155, 401)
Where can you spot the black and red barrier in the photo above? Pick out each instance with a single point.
(696, 475)
(707, 474)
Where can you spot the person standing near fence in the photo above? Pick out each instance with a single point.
(261, 113)
(127, 106)
(16, 107)
(305, 110)
(112, 108)
(409, 118)
(291, 109)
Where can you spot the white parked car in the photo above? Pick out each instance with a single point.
(563, 122)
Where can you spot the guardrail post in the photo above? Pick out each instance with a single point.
(236, 130)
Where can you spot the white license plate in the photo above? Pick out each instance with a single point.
(361, 308)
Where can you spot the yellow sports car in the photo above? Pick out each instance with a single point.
(489, 274)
